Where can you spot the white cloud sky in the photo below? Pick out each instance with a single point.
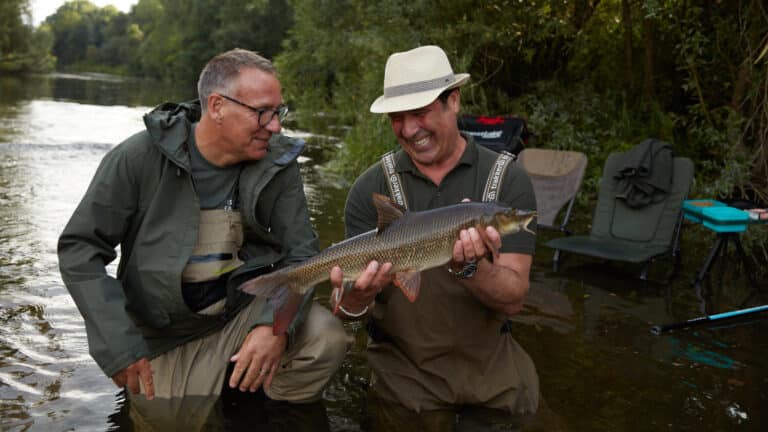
(42, 8)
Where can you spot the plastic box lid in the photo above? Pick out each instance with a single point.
(692, 209)
(725, 219)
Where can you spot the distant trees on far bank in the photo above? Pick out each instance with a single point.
(23, 49)
(164, 39)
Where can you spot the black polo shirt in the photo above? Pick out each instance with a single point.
(466, 180)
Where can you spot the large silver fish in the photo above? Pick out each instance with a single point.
(411, 241)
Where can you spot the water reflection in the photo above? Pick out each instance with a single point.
(92, 88)
(233, 411)
(48, 153)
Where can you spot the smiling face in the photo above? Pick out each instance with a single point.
(429, 134)
(242, 138)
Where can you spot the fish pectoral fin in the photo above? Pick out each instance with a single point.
(409, 283)
(493, 253)
(286, 306)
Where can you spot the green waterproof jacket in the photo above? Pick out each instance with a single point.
(142, 198)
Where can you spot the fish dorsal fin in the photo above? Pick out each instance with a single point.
(388, 211)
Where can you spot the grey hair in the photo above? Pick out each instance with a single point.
(221, 71)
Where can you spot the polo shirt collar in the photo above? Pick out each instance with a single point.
(404, 163)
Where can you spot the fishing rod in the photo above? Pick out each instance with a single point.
(659, 329)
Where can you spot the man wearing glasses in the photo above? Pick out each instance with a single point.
(205, 194)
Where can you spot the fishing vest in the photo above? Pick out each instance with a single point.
(447, 348)
(219, 239)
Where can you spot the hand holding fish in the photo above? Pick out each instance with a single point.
(361, 293)
(475, 244)
(258, 359)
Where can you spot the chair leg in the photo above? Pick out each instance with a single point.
(644, 271)
(746, 263)
(714, 252)
(556, 260)
(676, 262)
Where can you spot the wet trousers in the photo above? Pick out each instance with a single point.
(196, 371)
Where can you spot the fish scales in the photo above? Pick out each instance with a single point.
(411, 241)
(416, 241)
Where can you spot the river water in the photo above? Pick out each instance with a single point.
(586, 327)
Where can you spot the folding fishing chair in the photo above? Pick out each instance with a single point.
(556, 176)
(637, 235)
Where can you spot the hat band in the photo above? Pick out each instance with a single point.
(418, 86)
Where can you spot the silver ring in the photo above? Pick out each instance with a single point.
(263, 371)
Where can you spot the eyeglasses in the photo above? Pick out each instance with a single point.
(264, 115)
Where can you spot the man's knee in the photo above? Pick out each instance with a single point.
(310, 363)
(327, 333)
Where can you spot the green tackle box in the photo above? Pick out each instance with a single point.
(692, 209)
(725, 219)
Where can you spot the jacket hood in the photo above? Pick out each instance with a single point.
(169, 126)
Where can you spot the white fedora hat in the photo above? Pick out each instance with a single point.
(415, 78)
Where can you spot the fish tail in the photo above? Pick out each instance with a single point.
(268, 285)
(275, 287)
(286, 305)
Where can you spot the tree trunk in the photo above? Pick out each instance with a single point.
(649, 67)
(582, 12)
(626, 19)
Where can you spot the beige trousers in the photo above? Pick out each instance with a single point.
(196, 370)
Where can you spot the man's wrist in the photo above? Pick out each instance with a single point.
(466, 272)
(353, 309)
(352, 313)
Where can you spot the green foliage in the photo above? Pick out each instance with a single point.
(562, 64)
(74, 30)
(166, 39)
(339, 68)
(723, 167)
(587, 74)
(371, 138)
(13, 32)
(22, 48)
(580, 118)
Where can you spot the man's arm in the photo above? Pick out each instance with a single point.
(85, 247)
(290, 221)
(501, 285)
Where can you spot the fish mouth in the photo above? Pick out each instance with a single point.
(528, 220)
(516, 220)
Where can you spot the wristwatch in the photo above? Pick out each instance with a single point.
(466, 272)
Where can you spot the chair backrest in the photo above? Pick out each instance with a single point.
(653, 225)
(499, 133)
(556, 177)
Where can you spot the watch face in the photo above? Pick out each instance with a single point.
(469, 270)
(466, 272)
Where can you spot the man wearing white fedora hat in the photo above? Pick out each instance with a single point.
(451, 351)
